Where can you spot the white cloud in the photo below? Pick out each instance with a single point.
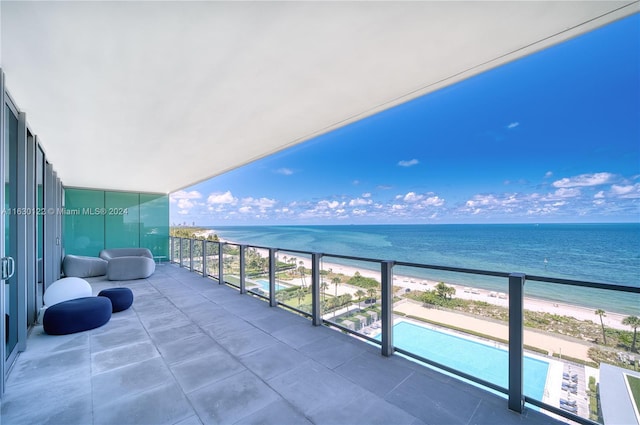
(324, 204)
(513, 125)
(185, 204)
(584, 180)
(567, 192)
(627, 191)
(183, 212)
(548, 174)
(412, 197)
(433, 201)
(366, 195)
(284, 171)
(359, 202)
(221, 198)
(599, 195)
(359, 212)
(183, 194)
(245, 210)
(261, 203)
(397, 207)
(409, 163)
(482, 201)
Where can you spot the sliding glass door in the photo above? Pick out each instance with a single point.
(11, 210)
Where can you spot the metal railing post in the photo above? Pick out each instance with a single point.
(516, 342)
(315, 289)
(171, 249)
(386, 301)
(180, 251)
(191, 244)
(204, 258)
(220, 263)
(272, 277)
(243, 283)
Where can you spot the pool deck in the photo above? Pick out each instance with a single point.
(190, 351)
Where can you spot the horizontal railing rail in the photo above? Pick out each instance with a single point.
(514, 285)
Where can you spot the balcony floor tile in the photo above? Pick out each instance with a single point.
(190, 352)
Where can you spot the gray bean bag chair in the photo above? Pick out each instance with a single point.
(128, 263)
(79, 266)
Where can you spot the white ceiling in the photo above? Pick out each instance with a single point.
(156, 96)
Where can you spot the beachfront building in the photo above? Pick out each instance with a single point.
(108, 107)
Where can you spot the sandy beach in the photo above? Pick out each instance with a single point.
(612, 319)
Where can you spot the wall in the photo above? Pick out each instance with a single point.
(98, 219)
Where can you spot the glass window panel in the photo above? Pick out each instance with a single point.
(154, 224)
(122, 220)
(84, 223)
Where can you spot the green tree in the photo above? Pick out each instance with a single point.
(301, 270)
(371, 292)
(300, 293)
(323, 288)
(442, 290)
(360, 293)
(600, 312)
(450, 291)
(634, 322)
(336, 281)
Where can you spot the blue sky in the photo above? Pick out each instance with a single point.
(552, 137)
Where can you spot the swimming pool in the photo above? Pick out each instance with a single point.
(472, 357)
(264, 285)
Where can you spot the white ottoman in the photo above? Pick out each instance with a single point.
(65, 289)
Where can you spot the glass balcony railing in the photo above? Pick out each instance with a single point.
(494, 331)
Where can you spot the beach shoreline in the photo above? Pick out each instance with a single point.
(611, 319)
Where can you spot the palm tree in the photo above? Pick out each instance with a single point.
(372, 293)
(360, 293)
(600, 312)
(300, 293)
(450, 291)
(336, 281)
(634, 322)
(323, 287)
(442, 290)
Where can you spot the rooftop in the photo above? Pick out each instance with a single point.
(191, 351)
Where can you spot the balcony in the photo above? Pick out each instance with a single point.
(193, 351)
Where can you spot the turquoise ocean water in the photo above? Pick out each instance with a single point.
(607, 253)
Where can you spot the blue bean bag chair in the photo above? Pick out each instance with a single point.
(77, 315)
(121, 298)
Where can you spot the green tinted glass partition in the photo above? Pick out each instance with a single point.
(98, 219)
(154, 224)
(122, 220)
(83, 223)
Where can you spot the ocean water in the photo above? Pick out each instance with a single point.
(606, 253)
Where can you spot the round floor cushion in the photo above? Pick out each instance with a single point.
(80, 314)
(121, 298)
(66, 289)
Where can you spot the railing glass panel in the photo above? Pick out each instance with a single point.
(186, 253)
(256, 269)
(175, 250)
(198, 246)
(585, 337)
(231, 264)
(446, 319)
(212, 257)
(350, 291)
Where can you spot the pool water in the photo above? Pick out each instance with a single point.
(472, 357)
(264, 285)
